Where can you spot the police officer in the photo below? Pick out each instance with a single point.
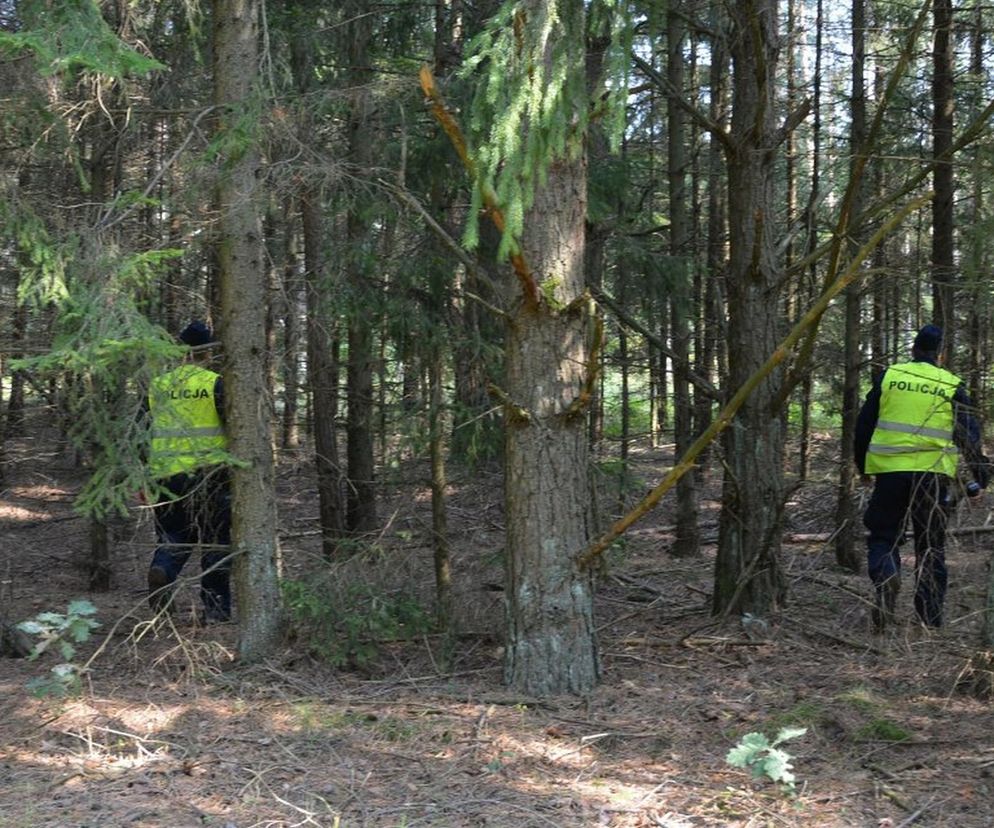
(186, 458)
(914, 423)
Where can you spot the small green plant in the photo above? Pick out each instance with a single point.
(882, 730)
(349, 628)
(802, 714)
(62, 632)
(764, 758)
(862, 699)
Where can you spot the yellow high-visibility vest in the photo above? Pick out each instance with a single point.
(187, 432)
(914, 430)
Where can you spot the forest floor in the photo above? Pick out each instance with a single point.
(170, 732)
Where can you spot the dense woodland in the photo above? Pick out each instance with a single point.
(610, 265)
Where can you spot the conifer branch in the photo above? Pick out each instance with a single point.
(845, 219)
(699, 382)
(514, 412)
(727, 414)
(108, 220)
(467, 261)
(677, 97)
(445, 118)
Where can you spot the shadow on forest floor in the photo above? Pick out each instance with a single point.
(170, 732)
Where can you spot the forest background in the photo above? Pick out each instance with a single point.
(492, 281)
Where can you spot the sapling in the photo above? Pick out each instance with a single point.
(764, 758)
(62, 632)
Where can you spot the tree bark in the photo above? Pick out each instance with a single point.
(687, 538)
(361, 490)
(717, 231)
(847, 554)
(748, 572)
(943, 261)
(321, 333)
(551, 645)
(978, 315)
(243, 289)
(290, 425)
(322, 375)
(439, 516)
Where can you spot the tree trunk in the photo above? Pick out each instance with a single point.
(748, 572)
(978, 316)
(321, 333)
(243, 288)
(322, 375)
(716, 248)
(624, 439)
(99, 561)
(988, 631)
(687, 538)
(290, 426)
(13, 425)
(361, 492)
(811, 235)
(847, 526)
(943, 262)
(551, 644)
(439, 517)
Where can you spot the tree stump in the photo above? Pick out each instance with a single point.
(13, 642)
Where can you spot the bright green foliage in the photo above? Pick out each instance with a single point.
(41, 261)
(63, 633)
(241, 134)
(764, 758)
(350, 628)
(532, 106)
(73, 35)
(104, 352)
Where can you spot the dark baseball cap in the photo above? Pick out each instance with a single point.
(928, 339)
(196, 333)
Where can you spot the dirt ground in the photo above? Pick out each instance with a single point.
(170, 732)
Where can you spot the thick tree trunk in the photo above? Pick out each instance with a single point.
(748, 572)
(551, 645)
(243, 287)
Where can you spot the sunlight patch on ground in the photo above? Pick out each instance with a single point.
(151, 719)
(92, 762)
(579, 765)
(18, 514)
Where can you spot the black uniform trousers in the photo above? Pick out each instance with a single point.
(195, 510)
(896, 495)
